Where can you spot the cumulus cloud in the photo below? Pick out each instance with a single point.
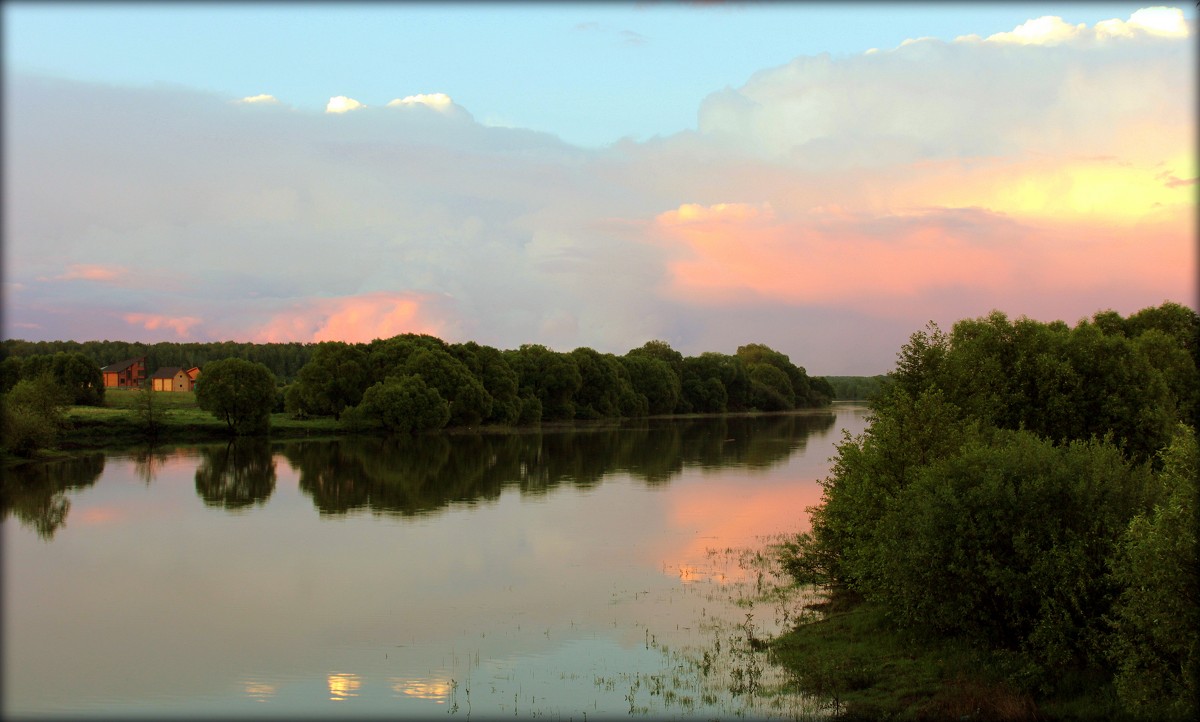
(342, 104)
(823, 205)
(354, 319)
(437, 101)
(260, 99)
(924, 99)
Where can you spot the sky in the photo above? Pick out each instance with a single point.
(822, 178)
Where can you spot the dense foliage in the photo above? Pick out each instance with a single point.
(855, 388)
(240, 392)
(399, 384)
(33, 414)
(1017, 478)
(532, 383)
(283, 359)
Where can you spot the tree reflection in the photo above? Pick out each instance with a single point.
(415, 475)
(36, 493)
(237, 475)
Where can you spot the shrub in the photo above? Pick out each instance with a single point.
(1007, 543)
(1156, 646)
(33, 414)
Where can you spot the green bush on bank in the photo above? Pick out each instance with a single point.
(33, 415)
(1024, 488)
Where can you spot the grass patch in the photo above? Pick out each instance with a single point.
(181, 420)
(125, 398)
(868, 670)
(853, 656)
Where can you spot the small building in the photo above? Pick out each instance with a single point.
(127, 374)
(174, 378)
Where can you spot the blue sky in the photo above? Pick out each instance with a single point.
(589, 72)
(821, 178)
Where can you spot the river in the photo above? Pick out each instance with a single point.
(592, 573)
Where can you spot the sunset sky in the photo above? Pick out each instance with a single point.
(824, 179)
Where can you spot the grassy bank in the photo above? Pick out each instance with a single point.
(180, 420)
(853, 656)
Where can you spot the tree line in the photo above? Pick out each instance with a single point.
(411, 382)
(415, 381)
(283, 359)
(1031, 488)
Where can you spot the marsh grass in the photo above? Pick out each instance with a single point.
(854, 657)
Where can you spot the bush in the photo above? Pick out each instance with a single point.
(1156, 641)
(1007, 544)
(34, 415)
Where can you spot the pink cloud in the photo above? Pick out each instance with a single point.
(152, 322)
(898, 262)
(93, 272)
(354, 319)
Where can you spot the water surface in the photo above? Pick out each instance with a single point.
(569, 574)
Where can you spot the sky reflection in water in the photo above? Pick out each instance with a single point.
(550, 574)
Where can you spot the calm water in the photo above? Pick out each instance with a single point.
(569, 575)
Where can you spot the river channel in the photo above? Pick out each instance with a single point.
(593, 573)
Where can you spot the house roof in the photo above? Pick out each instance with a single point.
(122, 365)
(166, 372)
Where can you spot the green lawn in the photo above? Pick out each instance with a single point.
(124, 399)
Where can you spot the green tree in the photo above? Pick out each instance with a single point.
(240, 392)
(488, 365)
(602, 384)
(549, 376)
(10, 373)
(80, 376)
(1006, 544)
(469, 402)
(702, 389)
(404, 404)
(1156, 620)
(770, 389)
(148, 411)
(34, 414)
(652, 378)
(335, 377)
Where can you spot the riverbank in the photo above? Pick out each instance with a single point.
(851, 654)
(179, 420)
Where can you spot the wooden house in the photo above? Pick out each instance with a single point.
(127, 374)
(174, 378)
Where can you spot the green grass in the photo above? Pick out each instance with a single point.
(853, 657)
(124, 399)
(182, 421)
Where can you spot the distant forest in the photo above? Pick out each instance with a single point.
(284, 359)
(477, 384)
(856, 388)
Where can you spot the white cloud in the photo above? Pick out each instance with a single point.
(507, 236)
(968, 98)
(1045, 30)
(342, 104)
(437, 101)
(261, 98)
